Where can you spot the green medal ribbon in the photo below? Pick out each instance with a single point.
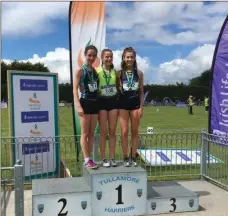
(107, 78)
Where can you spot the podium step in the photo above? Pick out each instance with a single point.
(117, 190)
(169, 197)
(62, 196)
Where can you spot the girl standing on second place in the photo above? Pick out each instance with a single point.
(86, 77)
(108, 114)
(130, 82)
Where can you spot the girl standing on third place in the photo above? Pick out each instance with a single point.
(130, 82)
(108, 114)
(86, 77)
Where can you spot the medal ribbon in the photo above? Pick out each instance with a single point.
(107, 78)
(129, 80)
(90, 74)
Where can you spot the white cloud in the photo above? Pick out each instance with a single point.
(32, 18)
(58, 62)
(181, 70)
(191, 23)
(177, 70)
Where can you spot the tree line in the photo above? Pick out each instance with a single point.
(198, 86)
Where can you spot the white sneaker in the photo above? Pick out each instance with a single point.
(134, 163)
(126, 162)
(106, 163)
(113, 163)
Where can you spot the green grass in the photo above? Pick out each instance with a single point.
(165, 120)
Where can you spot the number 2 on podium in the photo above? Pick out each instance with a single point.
(119, 189)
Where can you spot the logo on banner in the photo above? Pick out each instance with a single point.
(33, 85)
(36, 162)
(34, 116)
(80, 61)
(35, 130)
(34, 102)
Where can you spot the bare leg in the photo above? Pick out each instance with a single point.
(124, 118)
(85, 125)
(103, 116)
(112, 122)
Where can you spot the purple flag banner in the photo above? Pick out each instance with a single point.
(145, 95)
(218, 114)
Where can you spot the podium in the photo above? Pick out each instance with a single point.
(118, 191)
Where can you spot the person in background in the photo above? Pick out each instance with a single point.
(87, 79)
(108, 103)
(190, 105)
(206, 104)
(130, 84)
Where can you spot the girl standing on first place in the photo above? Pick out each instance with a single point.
(130, 82)
(108, 114)
(87, 79)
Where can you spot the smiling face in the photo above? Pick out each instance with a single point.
(107, 58)
(91, 56)
(129, 58)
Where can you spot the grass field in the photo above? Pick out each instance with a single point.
(167, 119)
(170, 123)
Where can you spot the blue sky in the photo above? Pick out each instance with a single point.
(174, 41)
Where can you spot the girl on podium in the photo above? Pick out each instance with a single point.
(108, 112)
(130, 83)
(87, 106)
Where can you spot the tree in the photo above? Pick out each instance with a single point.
(20, 66)
(203, 80)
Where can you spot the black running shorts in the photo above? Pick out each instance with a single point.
(129, 103)
(108, 103)
(89, 106)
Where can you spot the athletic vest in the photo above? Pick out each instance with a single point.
(190, 103)
(107, 83)
(130, 85)
(88, 83)
(206, 102)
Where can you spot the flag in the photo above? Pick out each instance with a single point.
(218, 114)
(86, 27)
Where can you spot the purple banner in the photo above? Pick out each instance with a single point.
(145, 95)
(218, 119)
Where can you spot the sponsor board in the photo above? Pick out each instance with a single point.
(164, 157)
(33, 107)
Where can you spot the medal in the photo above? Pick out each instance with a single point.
(129, 80)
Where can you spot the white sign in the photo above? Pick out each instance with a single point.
(119, 194)
(3, 105)
(34, 114)
(162, 157)
(150, 130)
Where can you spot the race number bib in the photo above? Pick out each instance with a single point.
(130, 86)
(92, 87)
(108, 91)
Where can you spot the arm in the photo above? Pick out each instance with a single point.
(118, 86)
(78, 75)
(141, 89)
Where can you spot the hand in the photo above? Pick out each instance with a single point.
(80, 111)
(140, 112)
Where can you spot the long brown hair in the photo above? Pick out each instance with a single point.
(123, 63)
(102, 55)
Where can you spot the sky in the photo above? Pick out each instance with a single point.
(174, 41)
